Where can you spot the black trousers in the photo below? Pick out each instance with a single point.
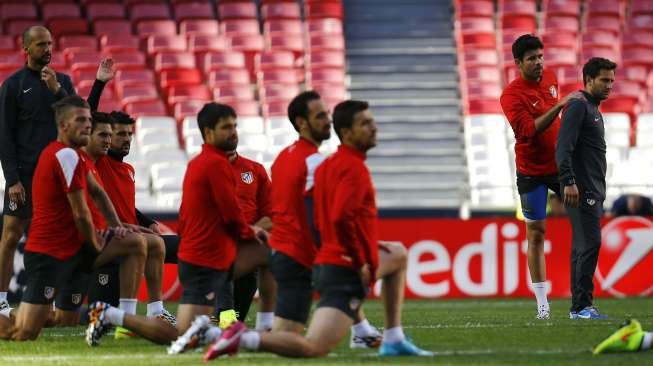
(586, 242)
(238, 294)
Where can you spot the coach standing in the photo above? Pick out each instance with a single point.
(580, 156)
(26, 127)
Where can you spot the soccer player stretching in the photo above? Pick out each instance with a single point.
(348, 259)
(531, 105)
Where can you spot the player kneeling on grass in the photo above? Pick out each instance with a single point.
(64, 245)
(629, 338)
(215, 239)
(349, 257)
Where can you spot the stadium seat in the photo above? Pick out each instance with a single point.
(567, 73)
(561, 8)
(477, 25)
(607, 23)
(326, 42)
(221, 77)
(479, 40)
(149, 11)
(246, 109)
(8, 44)
(282, 26)
(280, 91)
(334, 76)
(68, 26)
(484, 106)
(166, 124)
(97, 11)
(60, 11)
(326, 59)
(638, 56)
(174, 77)
(560, 57)
(202, 44)
(187, 92)
(482, 74)
(146, 108)
(600, 39)
(146, 28)
(274, 59)
(640, 22)
(174, 60)
(560, 39)
(14, 11)
(119, 43)
(476, 9)
(85, 89)
(194, 27)
(58, 61)
(331, 91)
(76, 43)
(280, 76)
(166, 43)
(112, 27)
(188, 108)
(281, 10)
(324, 26)
(249, 45)
(222, 59)
(605, 8)
(194, 10)
(83, 60)
(238, 10)
(641, 7)
(135, 77)
(324, 9)
(83, 77)
(239, 27)
(287, 42)
(234, 92)
(480, 57)
(525, 23)
(134, 60)
(135, 93)
(484, 91)
(609, 53)
(636, 39)
(624, 104)
(11, 62)
(636, 73)
(569, 24)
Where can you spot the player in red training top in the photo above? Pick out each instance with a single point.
(253, 190)
(531, 105)
(215, 240)
(64, 245)
(349, 257)
(96, 154)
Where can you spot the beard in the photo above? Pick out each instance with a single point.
(228, 145)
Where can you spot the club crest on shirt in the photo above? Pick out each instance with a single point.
(48, 292)
(247, 177)
(76, 299)
(554, 92)
(13, 206)
(103, 279)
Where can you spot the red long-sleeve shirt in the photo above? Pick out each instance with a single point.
(99, 221)
(253, 189)
(345, 211)
(210, 218)
(120, 185)
(292, 177)
(523, 101)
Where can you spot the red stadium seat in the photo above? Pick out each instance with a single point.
(188, 108)
(140, 12)
(195, 10)
(567, 73)
(83, 77)
(482, 74)
(17, 11)
(607, 23)
(620, 104)
(326, 42)
(600, 39)
(559, 57)
(250, 45)
(636, 39)
(605, 8)
(119, 43)
(523, 22)
(641, 7)
(283, 26)
(479, 40)
(480, 57)
(174, 77)
(282, 10)
(129, 60)
(333, 76)
(83, 60)
(561, 7)
(484, 91)
(18, 26)
(59, 11)
(84, 90)
(324, 26)
(221, 60)
(517, 7)
(477, 25)
(560, 39)
(476, 9)
(566, 23)
(636, 73)
(510, 72)
(188, 92)
(166, 43)
(326, 59)
(287, 42)
(240, 26)
(246, 108)
(605, 52)
(330, 91)
(234, 92)
(66, 26)
(58, 61)
(134, 77)
(276, 108)
(146, 108)
(283, 91)
(274, 59)
(169, 60)
(567, 88)
(105, 11)
(200, 45)
(279, 76)
(222, 77)
(112, 27)
(148, 28)
(324, 9)
(7, 44)
(11, 62)
(641, 22)
(78, 43)
(485, 106)
(109, 105)
(638, 56)
(194, 27)
(239, 10)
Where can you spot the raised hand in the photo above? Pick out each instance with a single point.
(105, 71)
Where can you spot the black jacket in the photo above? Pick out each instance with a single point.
(580, 151)
(27, 123)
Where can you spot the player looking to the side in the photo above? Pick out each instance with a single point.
(349, 257)
(531, 105)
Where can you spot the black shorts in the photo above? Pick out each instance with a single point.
(104, 284)
(13, 209)
(171, 243)
(529, 183)
(201, 284)
(340, 288)
(50, 279)
(294, 288)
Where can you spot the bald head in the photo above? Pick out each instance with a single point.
(37, 43)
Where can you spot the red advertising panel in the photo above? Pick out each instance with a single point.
(452, 258)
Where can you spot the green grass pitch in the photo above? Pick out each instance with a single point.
(460, 332)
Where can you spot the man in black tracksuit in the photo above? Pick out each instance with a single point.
(580, 156)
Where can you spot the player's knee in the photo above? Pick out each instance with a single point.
(10, 238)
(156, 247)
(138, 246)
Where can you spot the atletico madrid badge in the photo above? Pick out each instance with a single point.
(247, 177)
(554, 92)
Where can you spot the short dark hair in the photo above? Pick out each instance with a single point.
(298, 107)
(525, 43)
(122, 118)
(343, 114)
(593, 67)
(27, 34)
(65, 104)
(101, 117)
(211, 113)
